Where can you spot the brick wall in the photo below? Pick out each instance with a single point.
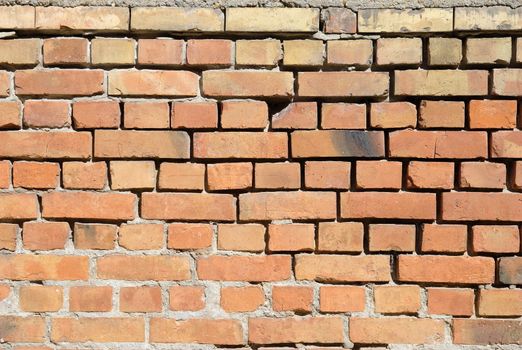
(260, 177)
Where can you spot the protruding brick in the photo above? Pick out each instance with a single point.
(94, 236)
(143, 267)
(342, 268)
(209, 52)
(399, 51)
(241, 145)
(82, 18)
(486, 332)
(349, 52)
(444, 51)
(241, 299)
(297, 115)
(181, 176)
(199, 331)
(340, 21)
(292, 298)
(342, 299)
(88, 205)
(194, 115)
(177, 19)
(500, 302)
(342, 84)
(291, 237)
(244, 114)
(433, 175)
(146, 115)
(160, 52)
(376, 174)
(44, 267)
(480, 206)
(387, 237)
(441, 82)
(57, 83)
(444, 238)
(229, 176)
(340, 237)
(140, 299)
(397, 299)
(394, 330)
(496, 239)
(488, 51)
(40, 298)
(66, 52)
(507, 82)
(265, 53)
(451, 301)
(152, 83)
(272, 19)
(303, 53)
(88, 176)
(327, 174)
(90, 298)
(20, 52)
(401, 21)
(45, 235)
(141, 236)
(97, 114)
(246, 237)
(46, 114)
(446, 269)
(17, 206)
(98, 329)
(127, 175)
(482, 175)
(389, 115)
(189, 236)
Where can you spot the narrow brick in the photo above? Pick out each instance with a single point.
(476, 206)
(441, 82)
(444, 51)
(5, 84)
(199, 331)
(44, 267)
(20, 52)
(160, 52)
(394, 330)
(174, 19)
(272, 19)
(57, 83)
(98, 329)
(451, 301)
(143, 268)
(8, 233)
(401, 21)
(291, 237)
(46, 114)
(153, 83)
(486, 332)
(509, 270)
(95, 236)
(5, 174)
(82, 18)
(66, 52)
(88, 176)
(90, 298)
(507, 82)
(241, 145)
(342, 84)
(17, 206)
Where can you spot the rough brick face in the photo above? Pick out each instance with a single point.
(318, 176)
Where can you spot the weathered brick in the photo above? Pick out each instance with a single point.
(488, 51)
(342, 84)
(209, 52)
(342, 299)
(401, 21)
(10, 112)
(496, 239)
(278, 175)
(194, 115)
(46, 114)
(44, 267)
(45, 235)
(498, 18)
(486, 332)
(246, 237)
(141, 144)
(374, 174)
(17, 206)
(88, 205)
(5, 84)
(389, 115)
(506, 144)
(509, 270)
(94, 236)
(40, 298)
(446, 269)
(66, 52)
(397, 299)
(433, 175)
(57, 83)
(8, 233)
(143, 268)
(153, 83)
(387, 237)
(451, 301)
(5, 174)
(98, 329)
(17, 17)
(186, 298)
(141, 236)
(340, 21)
(292, 298)
(126, 175)
(444, 51)
(313, 330)
(89, 176)
(342, 268)
(272, 19)
(399, 51)
(140, 299)
(265, 53)
(349, 52)
(36, 175)
(189, 236)
(241, 299)
(160, 52)
(82, 18)
(146, 115)
(388, 205)
(90, 298)
(181, 176)
(244, 114)
(258, 84)
(287, 205)
(476, 206)
(444, 238)
(507, 82)
(441, 82)
(482, 175)
(179, 19)
(340, 237)
(229, 176)
(438, 144)
(441, 114)
(198, 331)
(291, 237)
(112, 52)
(96, 114)
(394, 330)
(303, 52)
(327, 174)
(23, 329)
(297, 115)
(241, 145)
(499, 302)
(492, 114)
(20, 52)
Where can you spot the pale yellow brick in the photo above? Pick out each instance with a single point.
(126, 175)
(444, 51)
(177, 19)
(258, 52)
(400, 21)
(519, 50)
(488, 50)
(272, 19)
(349, 52)
(82, 18)
(303, 52)
(507, 82)
(20, 51)
(418, 82)
(393, 51)
(17, 17)
(113, 51)
(488, 18)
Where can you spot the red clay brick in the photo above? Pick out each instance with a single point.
(241, 299)
(387, 237)
(94, 236)
(292, 298)
(40, 298)
(189, 236)
(441, 114)
(378, 174)
(160, 52)
(146, 115)
(96, 114)
(229, 176)
(451, 301)
(181, 176)
(333, 299)
(433, 175)
(499, 302)
(343, 116)
(98, 329)
(141, 236)
(444, 238)
(391, 115)
(241, 145)
(327, 175)
(291, 237)
(90, 298)
(194, 115)
(194, 330)
(142, 268)
(153, 83)
(66, 52)
(236, 114)
(394, 330)
(496, 239)
(186, 298)
(8, 233)
(475, 206)
(340, 237)
(10, 112)
(56, 83)
(492, 114)
(245, 237)
(297, 115)
(482, 175)
(485, 332)
(36, 175)
(140, 299)
(209, 52)
(397, 299)
(278, 175)
(5, 174)
(45, 235)
(17, 206)
(23, 328)
(46, 114)
(88, 176)
(44, 267)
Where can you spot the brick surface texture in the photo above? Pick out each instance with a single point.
(260, 178)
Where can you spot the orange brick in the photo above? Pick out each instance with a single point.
(342, 268)
(291, 237)
(66, 52)
(187, 298)
(194, 115)
(499, 302)
(5, 84)
(195, 330)
(433, 175)
(188, 206)
(388, 205)
(342, 84)
(473, 206)
(244, 268)
(45, 235)
(492, 114)
(90, 298)
(141, 236)
(389, 115)
(140, 299)
(18, 206)
(342, 299)
(482, 175)
(153, 83)
(321, 330)
(44, 267)
(40, 298)
(451, 301)
(36, 175)
(444, 238)
(94, 236)
(244, 114)
(10, 112)
(88, 176)
(446, 269)
(24, 329)
(379, 174)
(181, 176)
(96, 114)
(146, 115)
(89, 205)
(241, 299)
(46, 114)
(5, 174)
(229, 176)
(160, 52)
(343, 116)
(127, 175)
(357, 53)
(505, 144)
(486, 332)
(98, 329)
(387, 237)
(209, 52)
(292, 298)
(278, 175)
(496, 239)
(327, 175)
(189, 236)
(340, 237)
(143, 267)
(56, 83)
(247, 237)
(397, 299)
(395, 330)
(241, 145)
(8, 233)
(297, 115)
(287, 205)
(441, 114)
